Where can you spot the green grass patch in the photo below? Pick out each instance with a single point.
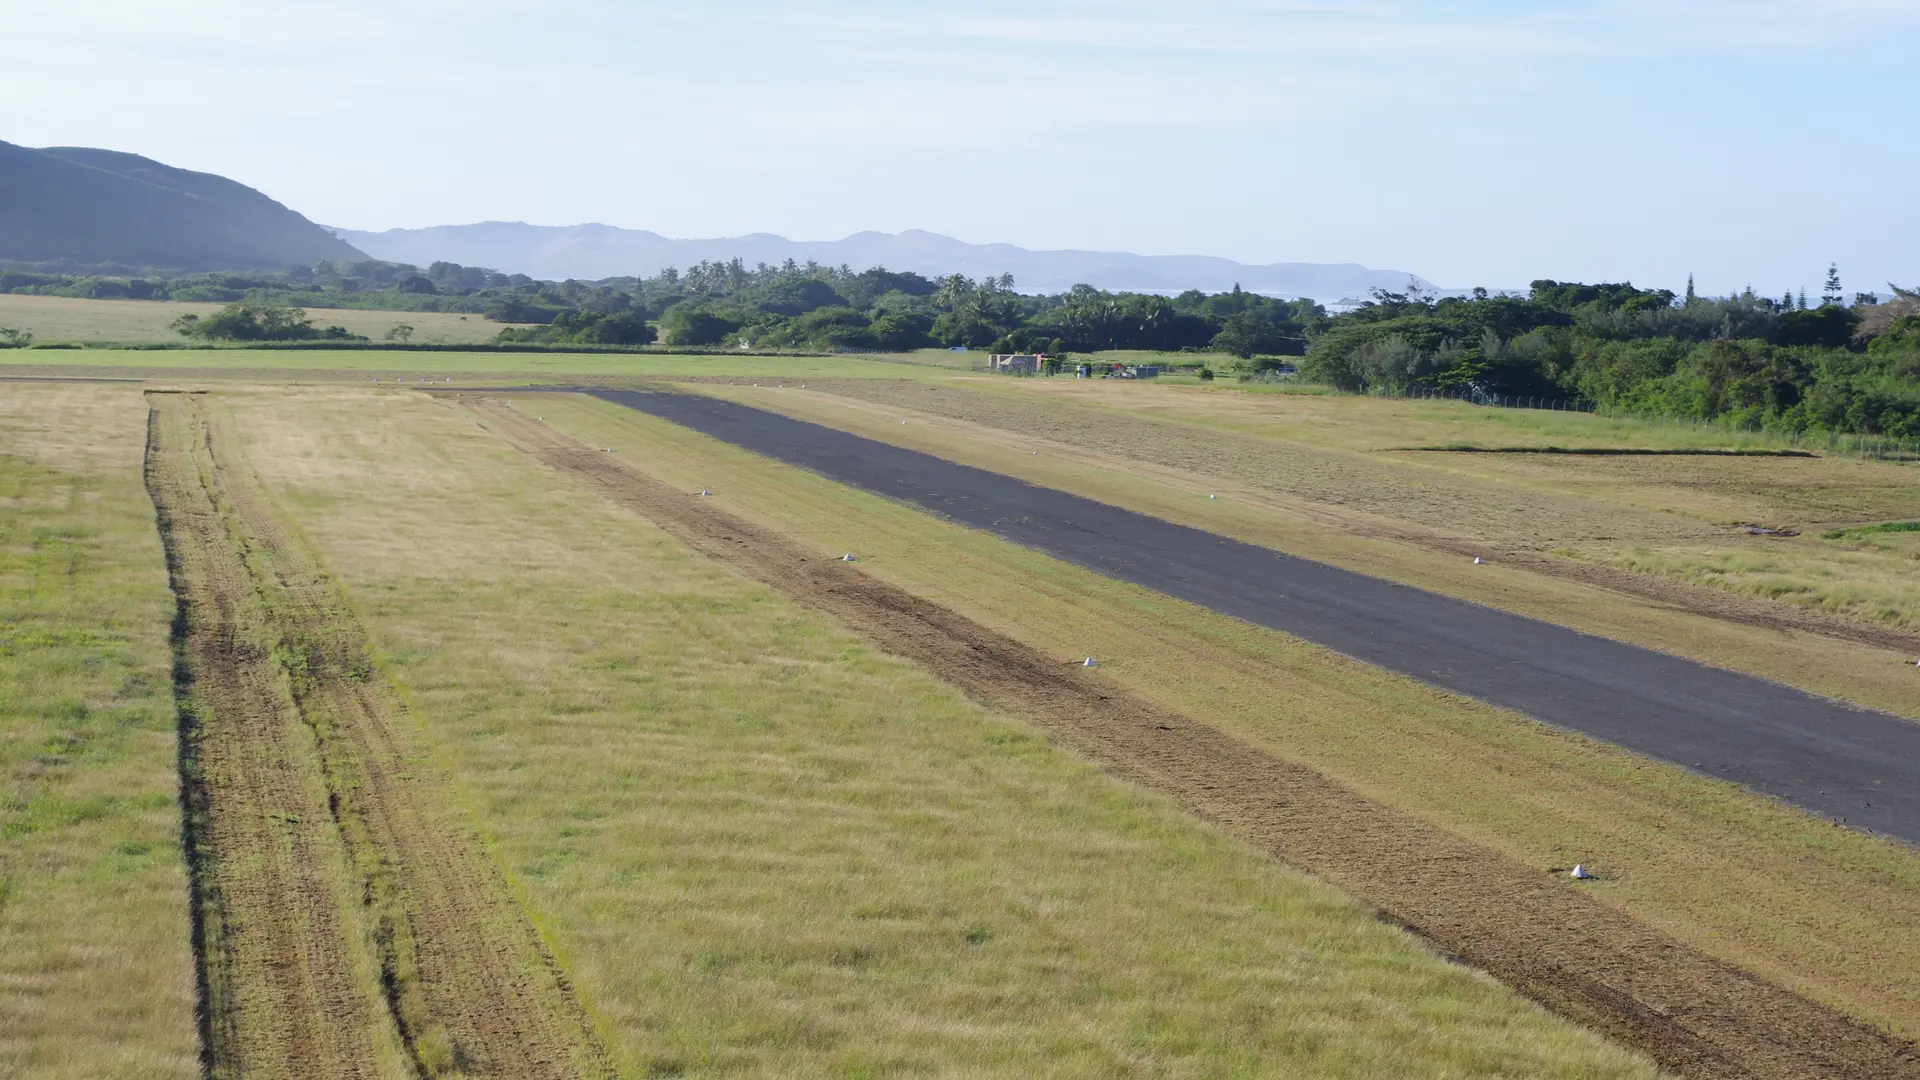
(96, 976)
(764, 848)
(1872, 530)
(1773, 890)
(1607, 451)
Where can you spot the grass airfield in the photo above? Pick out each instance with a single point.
(60, 318)
(757, 845)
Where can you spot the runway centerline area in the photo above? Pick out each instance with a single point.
(1843, 762)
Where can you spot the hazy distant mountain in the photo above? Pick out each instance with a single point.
(71, 204)
(590, 252)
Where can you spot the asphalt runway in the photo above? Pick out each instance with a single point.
(1845, 763)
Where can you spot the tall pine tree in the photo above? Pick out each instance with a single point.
(1830, 294)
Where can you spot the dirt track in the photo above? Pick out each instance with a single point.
(1695, 1015)
(378, 941)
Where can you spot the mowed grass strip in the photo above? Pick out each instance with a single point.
(290, 958)
(1457, 505)
(1815, 907)
(1581, 958)
(270, 364)
(1868, 582)
(1317, 416)
(1741, 635)
(96, 971)
(468, 985)
(62, 318)
(765, 849)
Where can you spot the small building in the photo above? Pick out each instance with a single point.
(1015, 363)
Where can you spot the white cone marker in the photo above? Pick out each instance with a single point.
(848, 557)
(1579, 873)
(1089, 663)
(1476, 560)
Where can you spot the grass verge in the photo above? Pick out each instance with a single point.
(294, 732)
(765, 849)
(61, 318)
(96, 973)
(1583, 959)
(1804, 903)
(264, 364)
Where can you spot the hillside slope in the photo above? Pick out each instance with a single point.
(85, 206)
(596, 251)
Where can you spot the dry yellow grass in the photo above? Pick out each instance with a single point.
(1346, 422)
(61, 318)
(1791, 492)
(766, 850)
(1816, 907)
(1871, 583)
(96, 974)
(1344, 479)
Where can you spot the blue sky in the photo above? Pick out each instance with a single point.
(1472, 143)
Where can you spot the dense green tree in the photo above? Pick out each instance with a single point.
(862, 290)
(1828, 324)
(902, 332)
(1253, 332)
(516, 309)
(246, 321)
(691, 323)
(796, 295)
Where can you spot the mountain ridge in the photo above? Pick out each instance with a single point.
(592, 251)
(71, 204)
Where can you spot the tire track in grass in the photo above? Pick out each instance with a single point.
(1696, 1015)
(465, 982)
(283, 964)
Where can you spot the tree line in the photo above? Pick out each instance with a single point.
(1840, 363)
(809, 306)
(790, 306)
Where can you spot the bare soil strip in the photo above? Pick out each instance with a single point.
(1694, 1014)
(298, 734)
